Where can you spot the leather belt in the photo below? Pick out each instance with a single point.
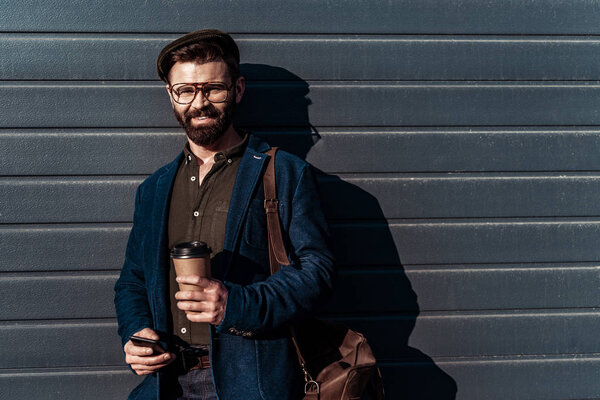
(194, 358)
(203, 362)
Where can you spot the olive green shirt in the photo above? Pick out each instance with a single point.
(200, 213)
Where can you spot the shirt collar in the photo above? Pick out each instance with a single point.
(233, 152)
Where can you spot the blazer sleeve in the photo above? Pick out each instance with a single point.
(296, 290)
(131, 297)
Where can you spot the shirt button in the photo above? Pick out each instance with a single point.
(229, 161)
(189, 158)
(196, 213)
(193, 178)
(183, 330)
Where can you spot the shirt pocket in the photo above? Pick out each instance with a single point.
(219, 220)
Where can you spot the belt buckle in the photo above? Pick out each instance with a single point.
(183, 359)
(191, 357)
(187, 357)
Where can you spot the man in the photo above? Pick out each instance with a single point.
(213, 192)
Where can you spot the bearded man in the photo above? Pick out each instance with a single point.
(227, 338)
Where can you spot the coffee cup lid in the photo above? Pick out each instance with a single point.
(190, 250)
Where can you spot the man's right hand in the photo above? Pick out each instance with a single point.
(142, 359)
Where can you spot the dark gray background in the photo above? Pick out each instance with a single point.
(458, 145)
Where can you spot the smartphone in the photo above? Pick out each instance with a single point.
(143, 342)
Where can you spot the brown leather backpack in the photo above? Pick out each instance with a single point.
(337, 362)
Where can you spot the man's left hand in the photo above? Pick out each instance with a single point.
(207, 303)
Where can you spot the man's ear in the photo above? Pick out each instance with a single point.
(169, 94)
(240, 86)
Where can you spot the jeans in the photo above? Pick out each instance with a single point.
(197, 384)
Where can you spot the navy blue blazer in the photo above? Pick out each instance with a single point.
(252, 356)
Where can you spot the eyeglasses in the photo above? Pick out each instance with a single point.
(185, 93)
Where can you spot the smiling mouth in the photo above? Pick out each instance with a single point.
(201, 119)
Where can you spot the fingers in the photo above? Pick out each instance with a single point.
(141, 359)
(208, 289)
(134, 350)
(148, 365)
(148, 361)
(145, 369)
(199, 295)
(195, 306)
(211, 317)
(196, 280)
(194, 301)
(206, 305)
(201, 311)
(193, 295)
(204, 311)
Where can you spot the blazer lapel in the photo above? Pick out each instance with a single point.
(248, 177)
(160, 281)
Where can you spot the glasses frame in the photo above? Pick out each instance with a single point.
(199, 86)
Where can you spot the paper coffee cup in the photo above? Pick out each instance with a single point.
(191, 258)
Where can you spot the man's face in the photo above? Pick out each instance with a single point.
(205, 122)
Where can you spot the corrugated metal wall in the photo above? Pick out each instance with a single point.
(458, 142)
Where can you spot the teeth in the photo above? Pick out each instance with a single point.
(201, 117)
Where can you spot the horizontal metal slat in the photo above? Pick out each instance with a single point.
(480, 334)
(564, 378)
(63, 247)
(90, 295)
(81, 152)
(42, 345)
(333, 57)
(460, 196)
(61, 104)
(110, 199)
(288, 16)
(30, 200)
(129, 151)
(446, 242)
(58, 296)
(59, 247)
(91, 199)
(441, 336)
(68, 383)
(474, 287)
(561, 378)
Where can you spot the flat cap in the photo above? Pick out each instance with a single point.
(213, 36)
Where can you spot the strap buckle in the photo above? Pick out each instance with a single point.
(271, 204)
(312, 387)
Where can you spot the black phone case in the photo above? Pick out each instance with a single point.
(143, 342)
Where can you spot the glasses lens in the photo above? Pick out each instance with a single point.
(183, 93)
(215, 92)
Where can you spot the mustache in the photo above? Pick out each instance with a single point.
(210, 112)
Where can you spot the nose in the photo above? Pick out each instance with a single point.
(200, 101)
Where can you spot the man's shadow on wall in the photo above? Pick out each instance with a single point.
(381, 305)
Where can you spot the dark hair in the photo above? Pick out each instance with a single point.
(201, 46)
(201, 53)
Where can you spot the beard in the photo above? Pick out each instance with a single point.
(207, 135)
